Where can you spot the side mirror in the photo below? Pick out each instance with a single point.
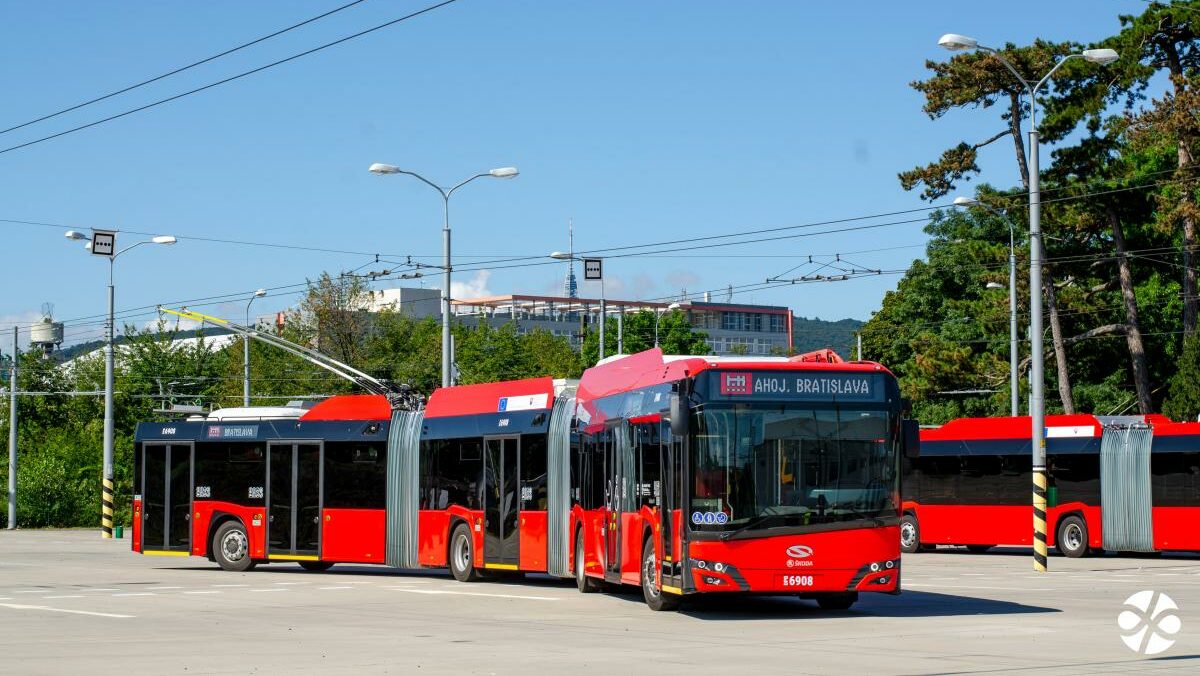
(912, 438)
(680, 415)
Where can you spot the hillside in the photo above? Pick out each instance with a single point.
(815, 334)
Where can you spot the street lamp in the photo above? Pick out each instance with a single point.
(501, 172)
(106, 510)
(1013, 377)
(246, 344)
(1037, 396)
(658, 315)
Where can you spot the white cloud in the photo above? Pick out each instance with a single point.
(477, 287)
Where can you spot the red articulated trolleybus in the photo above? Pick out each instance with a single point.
(679, 474)
(1125, 483)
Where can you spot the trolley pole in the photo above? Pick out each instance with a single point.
(12, 437)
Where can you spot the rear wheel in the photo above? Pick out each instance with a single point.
(655, 597)
(840, 601)
(1073, 537)
(462, 555)
(316, 566)
(585, 584)
(979, 549)
(231, 547)
(910, 534)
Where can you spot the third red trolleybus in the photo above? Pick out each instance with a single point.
(1128, 483)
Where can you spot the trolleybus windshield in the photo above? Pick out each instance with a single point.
(770, 465)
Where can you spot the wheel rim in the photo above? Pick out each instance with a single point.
(234, 546)
(908, 534)
(649, 576)
(462, 553)
(1073, 536)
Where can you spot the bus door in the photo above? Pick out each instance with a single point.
(501, 538)
(166, 497)
(614, 482)
(294, 482)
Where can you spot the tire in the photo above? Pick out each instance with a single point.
(910, 534)
(838, 601)
(462, 555)
(979, 549)
(316, 566)
(231, 547)
(1072, 537)
(585, 584)
(656, 599)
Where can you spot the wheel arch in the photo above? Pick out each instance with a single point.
(1053, 524)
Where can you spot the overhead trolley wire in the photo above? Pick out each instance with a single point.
(181, 69)
(232, 78)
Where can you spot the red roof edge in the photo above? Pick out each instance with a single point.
(351, 407)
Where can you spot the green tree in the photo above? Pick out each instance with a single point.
(1183, 400)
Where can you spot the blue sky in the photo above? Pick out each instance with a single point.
(642, 121)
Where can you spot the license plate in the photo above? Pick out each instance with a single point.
(798, 581)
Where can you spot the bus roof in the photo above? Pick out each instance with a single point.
(351, 407)
(1057, 426)
(533, 394)
(651, 367)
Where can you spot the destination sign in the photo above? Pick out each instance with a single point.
(779, 385)
(232, 431)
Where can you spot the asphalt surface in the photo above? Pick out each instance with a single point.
(73, 603)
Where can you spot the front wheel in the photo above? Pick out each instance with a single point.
(231, 547)
(462, 555)
(1073, 537)
(316, 566)
(840, 601)
(655, 597)
(910, 534)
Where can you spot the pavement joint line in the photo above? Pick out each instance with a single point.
(136, 594)
(267, 590)
(330, 588)
(107, 589)
(231, 585)
(32, 591)
(203, 591)
(17, 606)
(467, 593)
(161, 588)
(67, 596)
(289, 583)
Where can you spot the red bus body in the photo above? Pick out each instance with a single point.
(972, 486)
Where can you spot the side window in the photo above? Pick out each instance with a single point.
(355, 475)
(231, 472)
(649, 482)
(533, 471)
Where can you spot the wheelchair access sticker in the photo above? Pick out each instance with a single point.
(709, 518)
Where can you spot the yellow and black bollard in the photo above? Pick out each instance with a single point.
(1039, 519)
(106, 509)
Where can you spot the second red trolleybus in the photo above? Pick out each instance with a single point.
(1128, 483)
(682, 475)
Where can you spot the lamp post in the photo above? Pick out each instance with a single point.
(501, 172)
(246, 345)
(1014, 378)
(566, 256)
(12, 435)
(1037, 397)
(106, 509)
(658, 315)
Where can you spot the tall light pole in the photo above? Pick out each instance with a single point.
(106, 509)
(1037, 396)
(246, 344)
(658, 315)
(12, 436)
(1013, 378)
(502, 172)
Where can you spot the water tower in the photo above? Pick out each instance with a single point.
(46, 333)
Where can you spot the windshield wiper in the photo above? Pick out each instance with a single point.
(752, 523)
(874, 519)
